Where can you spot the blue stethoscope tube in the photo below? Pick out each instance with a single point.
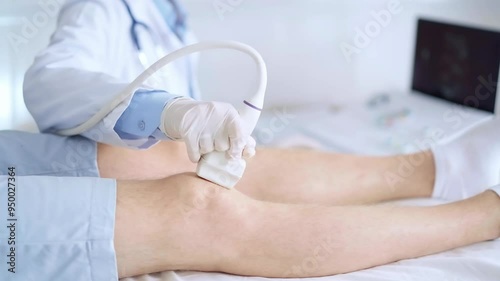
(134, 31)
(133, 27)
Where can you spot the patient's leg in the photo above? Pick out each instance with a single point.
(291, 176)
(302, 176)
(189, 224)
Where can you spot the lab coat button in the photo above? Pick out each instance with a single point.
(142, 125)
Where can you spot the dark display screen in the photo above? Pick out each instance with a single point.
(458, 64)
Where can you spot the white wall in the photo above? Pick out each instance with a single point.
(300, 40)
(16, 56)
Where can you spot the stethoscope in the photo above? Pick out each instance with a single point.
(159, 51)
(134, 35)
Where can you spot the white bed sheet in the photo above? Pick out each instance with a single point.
(479, 262)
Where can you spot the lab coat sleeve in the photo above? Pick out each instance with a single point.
(142, 118)
(69, 81)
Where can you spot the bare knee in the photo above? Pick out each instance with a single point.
(178, 223)
(197, 195)
(215, 221)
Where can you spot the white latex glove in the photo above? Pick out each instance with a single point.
(207, 127)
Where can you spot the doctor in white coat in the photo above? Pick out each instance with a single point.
(97, 49)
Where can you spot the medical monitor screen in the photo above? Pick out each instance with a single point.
(457, 63)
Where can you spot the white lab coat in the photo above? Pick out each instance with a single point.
(91, 58)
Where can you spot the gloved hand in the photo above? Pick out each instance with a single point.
(207, 127)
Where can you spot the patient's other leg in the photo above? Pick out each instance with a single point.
(290, 176)
(189, 224)
(162, 160)
(302, 176)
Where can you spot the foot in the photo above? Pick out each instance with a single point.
(469, 162)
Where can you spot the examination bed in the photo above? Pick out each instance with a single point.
(314, 128)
